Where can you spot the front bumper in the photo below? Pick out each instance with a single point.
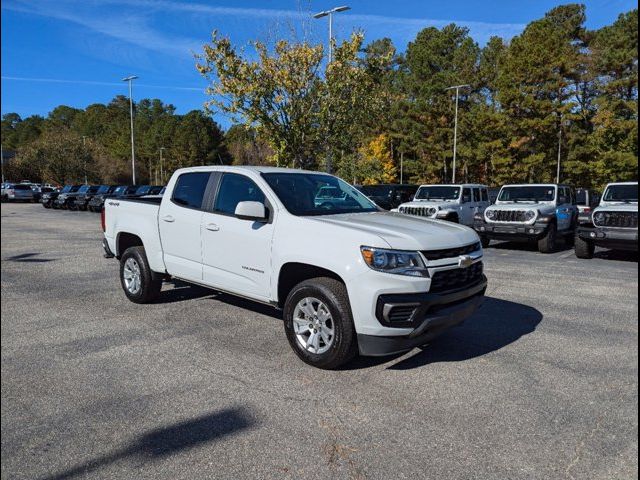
(433, 314)
(613, 238)
(515, 231)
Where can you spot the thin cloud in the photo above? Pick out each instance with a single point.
(93, 82)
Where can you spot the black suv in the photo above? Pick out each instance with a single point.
(97, 201)
(83, 199)
(59, 199)
(389, 195)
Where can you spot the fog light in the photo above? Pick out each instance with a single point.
(531, 230)
(593, 234)
(482, 229)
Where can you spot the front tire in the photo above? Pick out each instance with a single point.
(547, 244)
(139, 282)
(584, 248)
(318, 323)
(485, 241)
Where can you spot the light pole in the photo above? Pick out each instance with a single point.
(2, 161)
(455, 129)
(84, 148)
(330, 13)
(161, 166)
(130, 79)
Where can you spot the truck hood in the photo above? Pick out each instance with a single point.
(617, 207)
(429, 203)
(404, 232)
(543, 208)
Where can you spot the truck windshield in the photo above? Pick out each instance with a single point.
(103, 189)
(303, 194)
(622, 193)
(438, 193)
(528, 193)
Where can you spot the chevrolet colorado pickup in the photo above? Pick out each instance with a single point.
(613, 224)
(348, 277)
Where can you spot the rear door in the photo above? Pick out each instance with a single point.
(468, 206)
(565, 209)
(236, 253)
(180, 218)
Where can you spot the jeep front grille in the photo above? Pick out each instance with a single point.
(456, 278)
(418, 211)
(509, 216)
(451, 252)
(618, 220)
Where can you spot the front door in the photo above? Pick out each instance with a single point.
(236, 253)
(467, 207)
(565, 209)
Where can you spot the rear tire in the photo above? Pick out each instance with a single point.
(139, 282)
(584, 248)
(331, 324)
(485, 241)
(547, 244)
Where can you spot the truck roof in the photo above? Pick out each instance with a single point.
(244, 168)
(536, 185)
(463, 185)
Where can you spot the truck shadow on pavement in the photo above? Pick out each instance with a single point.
(168, 440)
(495, 325)
(28, 258)
(561, 246)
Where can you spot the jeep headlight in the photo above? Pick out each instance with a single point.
(398, 262)
(491, 214)
(529, 215)
(431, 211)
(599, 217)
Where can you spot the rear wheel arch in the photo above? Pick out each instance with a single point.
(126, 240)
(292, 273)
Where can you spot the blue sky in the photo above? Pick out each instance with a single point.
(75, 52)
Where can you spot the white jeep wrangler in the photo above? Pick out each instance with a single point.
(613, 224)
(455, 203)
(530, 213)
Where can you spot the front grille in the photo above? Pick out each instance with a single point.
(418, 211)
(451, 252)
(456, 278)
(509, 216)
(618, 220)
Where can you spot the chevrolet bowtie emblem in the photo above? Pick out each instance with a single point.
(465, 261)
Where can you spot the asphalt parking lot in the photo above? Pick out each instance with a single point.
(541, 383)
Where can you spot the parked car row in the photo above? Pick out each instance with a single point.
(537, 213)
(25, 191)
(91, 197)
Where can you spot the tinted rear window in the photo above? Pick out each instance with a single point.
(189, 189)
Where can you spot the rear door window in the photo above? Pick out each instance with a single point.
(476, 195)
(189, 189)
(485, 195)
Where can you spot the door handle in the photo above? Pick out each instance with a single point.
(168, 218)
(212, 226)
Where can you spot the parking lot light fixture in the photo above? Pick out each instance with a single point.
(329, 13)
(130, 80)
(455, 128)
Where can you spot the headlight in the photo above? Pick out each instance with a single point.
(491, 214)
(394, 261)
(599, 217)
(432, 210)
(529, 215)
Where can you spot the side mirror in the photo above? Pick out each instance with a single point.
(251, 211)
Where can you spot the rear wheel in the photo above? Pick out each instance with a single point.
(584, 248)
(485, 241)
(318, 323)
(547, 244)
(139, 282)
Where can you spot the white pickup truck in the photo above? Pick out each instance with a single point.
(349, 277)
